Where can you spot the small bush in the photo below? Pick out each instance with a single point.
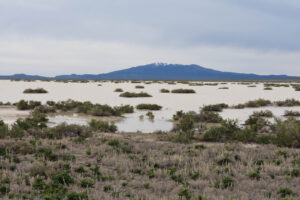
(133, 94)
(183, 91)
(35, 91)
(266, 113)
(164, 91)
(254, 175)
(227, 182)
(102, 126)
(139, 87)
(291, 113)
(4, 131)
(215, 107)
(27, 105)
(148, 107)
(65, 130)
(63, 178)
(287, 133)
(283, 192)
(107, 188)
(257, 103)
(86, 183)
(185, 193)
(77, 196)
(224, 161)
(118, 90)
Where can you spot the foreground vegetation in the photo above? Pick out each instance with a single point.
(82, 162)
(75, 106)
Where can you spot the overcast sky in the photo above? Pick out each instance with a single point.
(50, 37)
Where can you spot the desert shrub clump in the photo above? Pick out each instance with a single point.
(185, 129)
(183, 91)
(75, 106)
(102, 126)
(215, 107)
(148, 107)
(203, 116)
(258, 103)
(133, 94)
(35, 91)
(287, 132)
(139, 87)
(118, 90)
(164, 91)
(27, 105)
(291, 113)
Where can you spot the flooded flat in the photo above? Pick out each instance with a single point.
(12, 91)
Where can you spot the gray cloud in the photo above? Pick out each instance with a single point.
(263, 27)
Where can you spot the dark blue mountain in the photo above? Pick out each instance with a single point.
(23, 76)
(161, 71)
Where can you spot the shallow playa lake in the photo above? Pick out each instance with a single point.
(12, 91)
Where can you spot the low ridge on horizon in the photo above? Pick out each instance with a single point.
(160, 71)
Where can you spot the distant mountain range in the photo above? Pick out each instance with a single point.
(162, 71)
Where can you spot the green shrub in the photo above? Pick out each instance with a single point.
(139, 87)
(227, 131)
(227, 182)
(293, 172)
(80, 169)
(215, 107)
(4, 190)
(39, 184)
(185, 91)
(65, 130)
(266, 113)
(254, 175)
(186, 129)
(86, 183)
(77, 196)
(63, 178)
(185, 193)
(102, 126)
(224, 161)
(208, 116)
(113, 143)
(283, 192)
(148, 107)
(258, 162)
(258, 103)
(4, 131)
(150, 115)
(47, 154)
(288, 103)
(133, 94)
(118, 90)
(164, 91)
(27, 105)
(35, 91)
(291, 113)
(107, 188)
(287, 133)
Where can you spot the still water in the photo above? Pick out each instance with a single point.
(13, 91)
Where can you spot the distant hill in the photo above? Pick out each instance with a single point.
(162, 71)
(23, 76)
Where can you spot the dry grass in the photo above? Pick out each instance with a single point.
(144, 167)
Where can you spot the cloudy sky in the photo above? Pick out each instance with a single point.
(51, 37)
